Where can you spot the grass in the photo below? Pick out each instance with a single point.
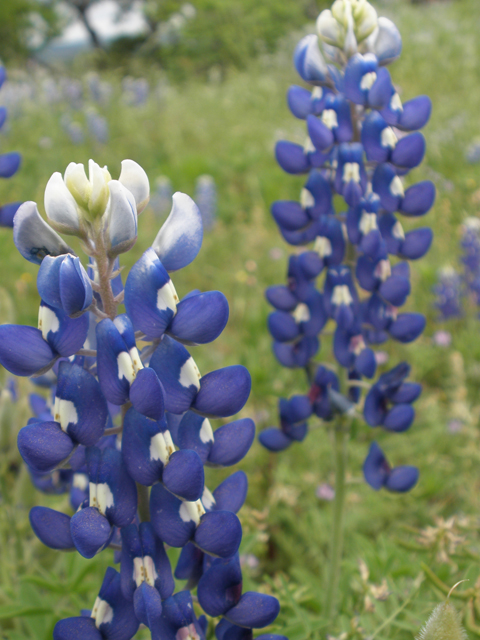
(228, 130)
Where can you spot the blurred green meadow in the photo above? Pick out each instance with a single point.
(228, 128)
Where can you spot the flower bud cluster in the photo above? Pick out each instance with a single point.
(351, 268)
(126, 430)
(9, 165)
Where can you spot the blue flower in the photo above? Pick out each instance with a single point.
(378, 472)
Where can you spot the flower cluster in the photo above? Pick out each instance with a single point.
(452, 286)
(362, 142)
(126, 427)
(9, 165)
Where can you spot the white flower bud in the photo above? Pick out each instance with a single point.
(134, 178)
(77, 183)
(329, 29)
(99, 193)
(60, 205)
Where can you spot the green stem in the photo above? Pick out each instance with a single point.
(341, 435)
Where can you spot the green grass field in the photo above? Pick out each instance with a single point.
(229, 130)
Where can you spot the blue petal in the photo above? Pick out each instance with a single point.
(43, 445)
(150, 298)
(219, 534)
(75, 289)
(90, 531)
(65, 335)
(190, 565)
(195, 432)
(7, 213)
(231, 493)
(291, 157)
(220, 587)
(23, 351)
(418, 199)
(274, 439)
(375, 468)
(112, 472)
(309, 61)
(299, 101)
(86, 424)
(255, 610)
(409, 151)
(110, 345)
(402, 479)
(183, 475)
(416, 243)
(321, 136)
(78, 628)
(33, 237)
(178, 374)
(232, 442)
(407, 327)
(281, 298)
(9, 164)
(223, 392)
(290, 215)
(200, 318)
(415, 114)
(52, 528)
(180, 238)
(147, 394)
(147, 604)
(166, 519)
(283, 326)
(48, 280)
(399, 418)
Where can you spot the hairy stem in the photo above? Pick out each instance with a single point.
(104, 269)
(341, 435)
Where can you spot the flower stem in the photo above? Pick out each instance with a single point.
(341, 435)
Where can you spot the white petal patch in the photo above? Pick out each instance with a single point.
(383, 270)
(102, 612)
(135, 356)
(191, 511)
(351, 172)
(322, 246)
(189, 374)
(368, 80)
(159, 449)
(329, 118)
(388, 138)
(167, 297)
(206, 432)
(65, 413)
(396, 187)
(368, 222)
(187, 633)
(125, 367)
(306, 199)
(80, 481)
(341, 295)
(396, 103)
(309, 147)
(301, 313)
(47, 321)
(144, 571)
(208, 500)
(397, 231)
(104, 497)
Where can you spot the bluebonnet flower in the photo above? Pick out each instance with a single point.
(378, 472)
(448, 291)
(206, 199)
(109, 374)
(361, 143)
(9, 165)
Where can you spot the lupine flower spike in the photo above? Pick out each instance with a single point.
(128, 408)
(361, 142)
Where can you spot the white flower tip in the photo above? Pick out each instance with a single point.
(135, 179)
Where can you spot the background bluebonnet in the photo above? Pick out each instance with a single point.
(350, 271)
